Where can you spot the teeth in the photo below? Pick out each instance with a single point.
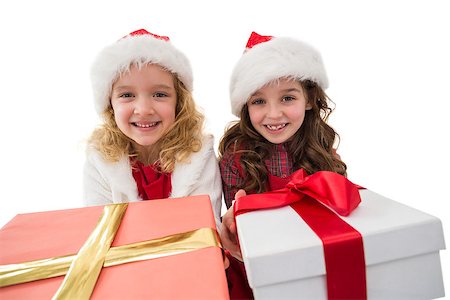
(146, 125)
(275, 127)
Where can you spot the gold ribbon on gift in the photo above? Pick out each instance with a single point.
(83, 268)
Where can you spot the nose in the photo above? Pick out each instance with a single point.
(273, 111)
(143, 106)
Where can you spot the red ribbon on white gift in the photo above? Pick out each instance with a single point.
(318, 199)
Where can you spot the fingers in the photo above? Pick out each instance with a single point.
(229, 241)
(226, 261)
(240, 194)
(237, 253)
(228, 229)
(233, 230)
(228, 234)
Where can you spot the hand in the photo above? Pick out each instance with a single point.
(226, 261)
(228, 232)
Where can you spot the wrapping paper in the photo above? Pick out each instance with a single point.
(198, 274)
(284, 258)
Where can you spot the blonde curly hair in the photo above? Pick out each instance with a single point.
(177, 144)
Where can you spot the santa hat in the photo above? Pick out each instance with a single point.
(267, 58)
(139, 46)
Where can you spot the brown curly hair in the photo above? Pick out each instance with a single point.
(176, 145)
(311, 147)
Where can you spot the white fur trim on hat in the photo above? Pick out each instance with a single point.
(143, 48)
(277, 58)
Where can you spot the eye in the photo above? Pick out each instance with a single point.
(288, 98)
(126, 95)
(257, 101)
(159, 95)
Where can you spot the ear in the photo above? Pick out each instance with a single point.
(308, 106)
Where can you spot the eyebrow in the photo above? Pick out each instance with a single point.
(289, 90)
(164, 86)
(157, 86)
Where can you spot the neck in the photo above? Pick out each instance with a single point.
(148, 155)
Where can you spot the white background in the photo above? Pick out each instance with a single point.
(387, 61)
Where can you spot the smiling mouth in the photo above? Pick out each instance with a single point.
(146, 125)
(275, 127)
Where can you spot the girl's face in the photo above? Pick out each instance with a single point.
(277, 110)
(144, 102)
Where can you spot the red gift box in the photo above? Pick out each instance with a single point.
(195, 274)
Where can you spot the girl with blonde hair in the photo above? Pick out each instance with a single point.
(151, 144)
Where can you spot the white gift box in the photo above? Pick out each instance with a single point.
(284, 258)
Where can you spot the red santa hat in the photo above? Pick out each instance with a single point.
(268, 58)
(140, 46)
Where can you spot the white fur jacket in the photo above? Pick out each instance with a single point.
(106, 183)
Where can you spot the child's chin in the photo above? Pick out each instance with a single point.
(276, 141)
(145, 143)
